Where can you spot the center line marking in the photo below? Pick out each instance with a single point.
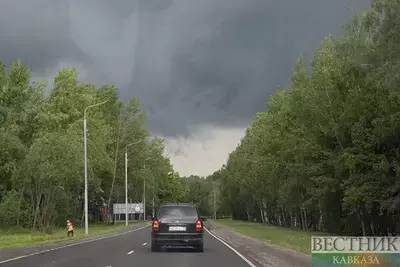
(130, 252)
(144, 244)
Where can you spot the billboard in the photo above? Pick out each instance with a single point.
(133, 208)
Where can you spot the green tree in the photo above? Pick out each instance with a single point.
(41, 160)
(324, 153)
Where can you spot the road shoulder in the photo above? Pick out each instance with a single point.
(258, 252)
(10, 253)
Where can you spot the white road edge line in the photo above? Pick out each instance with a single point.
(130, 252)
(72, 245)
(231, 248)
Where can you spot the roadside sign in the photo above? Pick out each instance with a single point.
(133, 208)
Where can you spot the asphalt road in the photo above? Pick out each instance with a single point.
(132, 249)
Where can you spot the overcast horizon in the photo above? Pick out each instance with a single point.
(202, 69)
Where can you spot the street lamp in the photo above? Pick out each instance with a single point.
(152, 192)
(144, 190)
(152, 211)
(85, 163)
(126, 180)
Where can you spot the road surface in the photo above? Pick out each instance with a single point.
(132, 249)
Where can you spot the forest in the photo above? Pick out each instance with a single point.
(324, 154)
(42, 150)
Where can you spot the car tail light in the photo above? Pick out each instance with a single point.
(199, 226)
(155, 225)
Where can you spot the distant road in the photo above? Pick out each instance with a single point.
(132, 249)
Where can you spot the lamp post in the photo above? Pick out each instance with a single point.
(126, 179)
(152, 210)
(85, 164)
(144, 190)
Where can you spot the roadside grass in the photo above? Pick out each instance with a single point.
(20, 237)
(294, 239)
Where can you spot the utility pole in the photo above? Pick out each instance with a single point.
(85, 163)
(152, 212)
(144, 200)
(86, 178)
(126, 185)
(144, 192)
(215, 202)
(144, 189)
(126, 180)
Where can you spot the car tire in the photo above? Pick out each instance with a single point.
(199, 248)
(155, 248)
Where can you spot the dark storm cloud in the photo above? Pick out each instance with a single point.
(189, 61)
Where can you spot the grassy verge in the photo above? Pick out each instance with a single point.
(284, 237)
(18, 237)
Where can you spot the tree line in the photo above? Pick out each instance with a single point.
(325, 153)
(41, 150)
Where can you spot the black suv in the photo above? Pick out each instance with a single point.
(177, 225)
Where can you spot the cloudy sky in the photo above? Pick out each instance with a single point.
(202, 68)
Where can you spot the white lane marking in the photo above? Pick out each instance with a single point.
(72, 245)
(231, 248)
(144, 244)
(130, 252)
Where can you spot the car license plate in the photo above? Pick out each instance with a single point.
(177, 228)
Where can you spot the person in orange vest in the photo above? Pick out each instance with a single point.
(70, 228)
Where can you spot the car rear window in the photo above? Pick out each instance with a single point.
(178, 212)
